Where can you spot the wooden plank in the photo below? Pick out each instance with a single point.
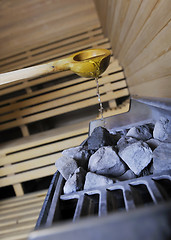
(54, 55)
(122, 10)
(60, 110)
(44, 138)
(27, 198)
(158, 87)
(158, 46)
(40, 21)
(67, 35)
(150, 29)
(52, 45)
(18, 205)
(128, 21)
(72, 88)
(36, 153)
(118, 6)
(30, 175)
(17, 227)
(139, 21)
(110, 15)
(157, 69)
(35, 56)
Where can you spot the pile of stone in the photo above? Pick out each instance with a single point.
(104, 157)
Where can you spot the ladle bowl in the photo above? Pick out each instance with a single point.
(87, 63)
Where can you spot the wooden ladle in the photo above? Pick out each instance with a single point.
(88, 63)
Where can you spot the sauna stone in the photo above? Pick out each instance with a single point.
(162, 129)
(75, 182)
(100, 137)
(127, 175)
(94, 180)
(153, 143)
(105, 161)
(79, 154)
(162, 158)
(124, 142)
(66, 166)
(140, 133)
(136, 155)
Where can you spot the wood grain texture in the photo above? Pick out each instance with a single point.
(140, 38)
(41, 21)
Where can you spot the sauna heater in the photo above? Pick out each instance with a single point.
(139, 208)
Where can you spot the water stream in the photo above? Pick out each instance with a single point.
(100, 102)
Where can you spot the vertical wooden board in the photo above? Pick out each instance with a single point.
(141, 17)
(110, 16)
(121, 12)
(157, 88)
(118, 5)
(129, 18)
(157, 69)
(158, 46)
(159, 17)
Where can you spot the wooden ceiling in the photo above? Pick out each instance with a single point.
(26, 23)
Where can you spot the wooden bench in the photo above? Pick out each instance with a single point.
(18, 215)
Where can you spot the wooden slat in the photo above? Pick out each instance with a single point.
(141, 17)
(58, 98)
(39, 20)
(156, 69)
(63, 109)
(159, 46)
(121, 12)
(73, 86)
(150, 29)
(127, 22)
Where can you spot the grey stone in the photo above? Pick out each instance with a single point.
(136, 155)
(124, 142)
(127, 175)
(105, 161)
(162, 129)
(79, 154)
(162, 158)
(94, 180)
(153, 143)
(66, 166)
(75, 182)
(140, 133)
(100, 137)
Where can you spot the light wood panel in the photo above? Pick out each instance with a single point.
(18, 215)
(26, 23)
(140, 37)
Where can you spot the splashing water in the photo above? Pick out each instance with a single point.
(100, 102)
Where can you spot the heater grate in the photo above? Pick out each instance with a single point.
(121, 196)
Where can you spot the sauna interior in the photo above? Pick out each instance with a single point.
(41, 117)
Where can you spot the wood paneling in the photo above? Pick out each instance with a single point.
(140, 36)
(26, 23)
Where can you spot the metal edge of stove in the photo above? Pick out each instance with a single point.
(151, 223)
(142, 110)
(157, 215)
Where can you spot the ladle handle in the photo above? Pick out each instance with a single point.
(35, 71)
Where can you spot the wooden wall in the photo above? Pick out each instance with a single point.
(36, 22)
(140, 35)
